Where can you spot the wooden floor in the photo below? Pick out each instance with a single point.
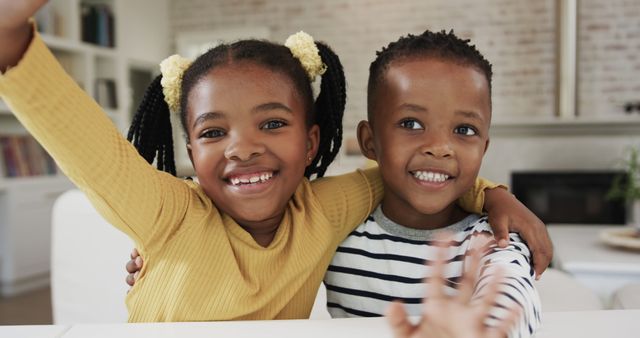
(27, 309)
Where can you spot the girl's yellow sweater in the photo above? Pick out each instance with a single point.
(200, 265)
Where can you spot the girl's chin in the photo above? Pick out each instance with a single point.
(256, 216)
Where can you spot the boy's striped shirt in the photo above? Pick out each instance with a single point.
(382, 261)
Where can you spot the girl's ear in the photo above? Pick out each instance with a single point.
(365, 140)
(313, 142)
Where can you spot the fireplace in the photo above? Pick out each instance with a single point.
(569, 197)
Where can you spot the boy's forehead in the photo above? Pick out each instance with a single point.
(418, 79)
(433, 67)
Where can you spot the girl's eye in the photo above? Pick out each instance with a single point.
(466, 131)
(213, 133)
(274, 124)
(411, 124)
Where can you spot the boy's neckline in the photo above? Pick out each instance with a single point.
(420, 234)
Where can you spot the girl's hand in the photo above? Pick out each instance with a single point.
(452, 316)
(15, 13)
(506, 214)
(15, 30)
(133, 267)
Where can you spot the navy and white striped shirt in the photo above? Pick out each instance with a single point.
(382, 261)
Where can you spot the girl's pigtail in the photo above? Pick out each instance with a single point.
(329, 110)
(150, 130)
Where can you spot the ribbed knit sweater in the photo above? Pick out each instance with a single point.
(200, 264)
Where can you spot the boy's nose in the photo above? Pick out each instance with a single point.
(439, 152)
(437, 146)
(244, 149)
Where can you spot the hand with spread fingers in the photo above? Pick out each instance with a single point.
(463, 315)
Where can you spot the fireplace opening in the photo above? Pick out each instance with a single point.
(569, 197)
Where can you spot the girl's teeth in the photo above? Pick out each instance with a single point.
(430, 176)
(251, 180)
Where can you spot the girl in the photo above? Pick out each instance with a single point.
(253, 239)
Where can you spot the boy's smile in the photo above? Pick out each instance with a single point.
(249, 143)
(429, 131)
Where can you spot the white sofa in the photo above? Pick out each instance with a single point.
(87, 264)
(627, 297)
(88, 270)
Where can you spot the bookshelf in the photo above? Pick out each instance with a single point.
(110, 60)
(108, 66)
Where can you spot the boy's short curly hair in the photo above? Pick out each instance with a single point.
(441, 45)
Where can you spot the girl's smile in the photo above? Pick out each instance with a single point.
(251, 180)
(254, 178)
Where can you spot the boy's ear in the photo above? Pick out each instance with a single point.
(486, 147)
(365, 140)
(313, 142)
(190, 155)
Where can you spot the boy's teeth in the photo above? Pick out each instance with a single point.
(430, 176)
(252, 179)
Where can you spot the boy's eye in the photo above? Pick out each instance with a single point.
(466, 130)
(213, 133)
(274, 124)
(411, 124)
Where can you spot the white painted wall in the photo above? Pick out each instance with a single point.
(143, 29)
(553, 152)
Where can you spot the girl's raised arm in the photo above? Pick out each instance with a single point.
(72, 127)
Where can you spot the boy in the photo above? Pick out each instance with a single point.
(429, 110)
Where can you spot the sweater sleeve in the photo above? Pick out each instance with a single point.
(348, 199)
(89, 149)
(516, 290)
(473, 200)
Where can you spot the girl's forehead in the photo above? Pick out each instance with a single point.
(241, 86)
(249, 75)
(245, 68)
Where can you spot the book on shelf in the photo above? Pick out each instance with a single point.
(106, 94)
(49, 21)
(22, 156)
(97, 24)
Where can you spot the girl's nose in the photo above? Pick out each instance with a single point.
(243, 148)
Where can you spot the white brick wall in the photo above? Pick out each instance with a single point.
(516, 36)
(608, 56)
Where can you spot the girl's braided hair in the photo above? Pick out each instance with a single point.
(150, 131)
